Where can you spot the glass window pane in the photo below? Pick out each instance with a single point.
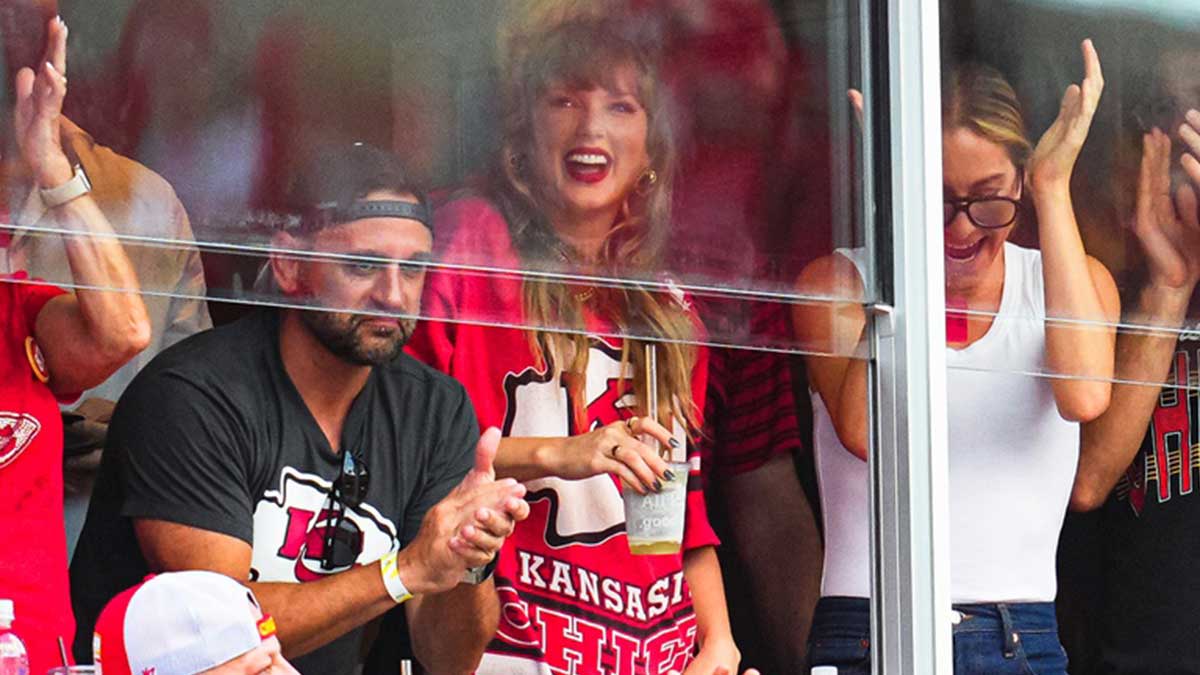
(544, 196)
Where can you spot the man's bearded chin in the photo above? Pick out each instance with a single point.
(346, 337)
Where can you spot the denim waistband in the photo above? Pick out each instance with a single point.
(1024, 617)
(848, 613)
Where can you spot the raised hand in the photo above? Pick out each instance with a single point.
(1167, 226)
(468, 527)
(1054, 157)
(1190, 134)
(616, 448)
(39, 96)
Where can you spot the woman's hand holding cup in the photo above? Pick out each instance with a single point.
(617, 448)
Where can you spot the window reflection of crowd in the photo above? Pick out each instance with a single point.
(723, 153)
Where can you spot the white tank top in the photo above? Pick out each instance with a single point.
(1012, 460)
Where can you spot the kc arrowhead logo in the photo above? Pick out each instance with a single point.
(17, 431)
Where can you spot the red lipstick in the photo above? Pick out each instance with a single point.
(587, 165)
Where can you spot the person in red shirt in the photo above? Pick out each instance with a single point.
(55, 345)
(585, 193)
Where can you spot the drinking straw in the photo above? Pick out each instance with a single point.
(652, 395)
(62, 652)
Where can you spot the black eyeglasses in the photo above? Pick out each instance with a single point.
(343, 540)
(989, 213)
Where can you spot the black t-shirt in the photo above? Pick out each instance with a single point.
(214, 435)
(1152, 551)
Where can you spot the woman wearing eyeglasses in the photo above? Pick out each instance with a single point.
(1014, 437)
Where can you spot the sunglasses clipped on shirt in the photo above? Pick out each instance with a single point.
(990, 213)
(343, 540)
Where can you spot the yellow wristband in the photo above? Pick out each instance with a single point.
(391, 578)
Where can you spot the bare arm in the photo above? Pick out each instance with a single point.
(1110, 442)
(308, 615)
(1077, 287)
(718, 653)
(835, 328)
(615, 448)
(450, 630)
(87, 336)
(1168, 230)
(776, 536)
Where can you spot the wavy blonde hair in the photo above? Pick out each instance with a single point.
(547, 44)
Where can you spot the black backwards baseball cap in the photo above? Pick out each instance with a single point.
(333, 187)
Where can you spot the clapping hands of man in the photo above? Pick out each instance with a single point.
(468, 527)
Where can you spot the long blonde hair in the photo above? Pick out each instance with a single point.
(588, 50)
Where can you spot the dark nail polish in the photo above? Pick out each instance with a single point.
(674, 444)
(658, 485)
(669, 475)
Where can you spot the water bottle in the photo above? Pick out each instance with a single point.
(13, 658)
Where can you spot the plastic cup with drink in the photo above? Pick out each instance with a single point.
(654, 521)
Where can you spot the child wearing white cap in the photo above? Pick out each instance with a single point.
(187, 623)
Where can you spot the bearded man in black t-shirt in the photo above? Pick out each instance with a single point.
(1146, 444)
(301, 451)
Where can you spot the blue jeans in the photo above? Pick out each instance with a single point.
(989, 639)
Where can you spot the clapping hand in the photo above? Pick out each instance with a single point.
(1166, 225)
(498, 510)
(1189, 133)
(468, 527)
(1054, 157)
(39, 96)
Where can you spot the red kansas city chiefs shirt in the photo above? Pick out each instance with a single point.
(33, 558)
(573, 599)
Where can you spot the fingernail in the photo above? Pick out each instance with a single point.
(657, 485)
(669, 475)
(1193, 116)
(674, 444)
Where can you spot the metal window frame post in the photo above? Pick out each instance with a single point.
(909, 464)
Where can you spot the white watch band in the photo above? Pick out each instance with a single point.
(78, 186)
(391, 578)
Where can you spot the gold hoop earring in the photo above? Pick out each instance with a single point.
(646, 181)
